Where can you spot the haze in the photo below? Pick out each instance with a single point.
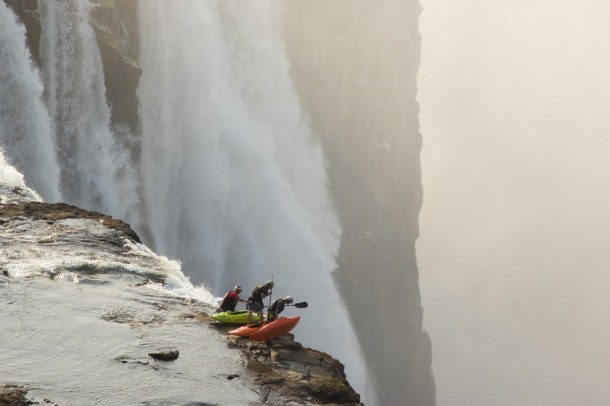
(515, 227)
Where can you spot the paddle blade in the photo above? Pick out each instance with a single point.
(301, 305)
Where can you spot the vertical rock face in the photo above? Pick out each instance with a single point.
(116, 28)
(356, 75)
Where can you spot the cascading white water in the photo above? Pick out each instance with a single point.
(96, 171)
(233, 180)
(25, 128)
(227, 153)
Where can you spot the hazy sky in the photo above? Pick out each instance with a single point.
(514, 253)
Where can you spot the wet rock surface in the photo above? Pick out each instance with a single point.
(165, 355)
(62, 211)
(13, 395)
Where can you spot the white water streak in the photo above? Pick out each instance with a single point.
(96, 170)
(25, 129)
(229, 162)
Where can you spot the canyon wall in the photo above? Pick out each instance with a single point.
(356, 74)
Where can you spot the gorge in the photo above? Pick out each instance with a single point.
(233, 142)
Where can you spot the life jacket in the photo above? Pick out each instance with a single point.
(229, 301)
(277, 305)
(258, 292)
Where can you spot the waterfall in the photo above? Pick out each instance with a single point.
(95, 166)
(25, 127)
(232, 177)
(233, 180)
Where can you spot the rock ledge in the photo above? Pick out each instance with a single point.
(61, 211)
(287, 371)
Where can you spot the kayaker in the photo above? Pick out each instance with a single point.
(255, 302)
(277, 307)
(230, 300)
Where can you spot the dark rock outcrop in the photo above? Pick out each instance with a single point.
(287, 371)
(165, 355)
(62, 211)
(13, 395)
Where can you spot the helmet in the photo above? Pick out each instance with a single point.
(288, 299)
(270, 283)
(238, 287)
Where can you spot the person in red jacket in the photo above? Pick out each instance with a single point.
(230, 300)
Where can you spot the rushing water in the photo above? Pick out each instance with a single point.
(100, 354)
(231, 179)
(80, 316)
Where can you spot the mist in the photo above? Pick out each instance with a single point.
(515, 227)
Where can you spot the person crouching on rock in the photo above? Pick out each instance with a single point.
(230, 300)
(255, 302)
(277, 307)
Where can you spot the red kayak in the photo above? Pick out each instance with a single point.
(245, 331)
(275, 329)
(267, 331)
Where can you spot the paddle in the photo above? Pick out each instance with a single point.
(300, 305)
(271, 293)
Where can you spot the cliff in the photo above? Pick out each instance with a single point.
(356, 75)
(359, 87)
(58, 242)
